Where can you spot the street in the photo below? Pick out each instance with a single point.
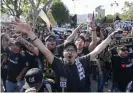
(94, 86)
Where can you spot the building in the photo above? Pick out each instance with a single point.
(84, 18)
(99, 11)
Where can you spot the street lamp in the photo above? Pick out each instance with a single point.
(113, 5)
(74, 5)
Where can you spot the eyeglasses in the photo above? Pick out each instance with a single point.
(70, 50)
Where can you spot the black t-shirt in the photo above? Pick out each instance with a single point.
(59, 49)
(114, 51)
(16, 63)
(84, 52)
(122, 71)
(70, 72)
(4, 66)
(35, 61)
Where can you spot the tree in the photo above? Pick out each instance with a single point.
(106, 19)
(110, 18)
(73, 21)
(60, 13)
(26, 8)
(14, 7)
(127, 11)
(36, 6)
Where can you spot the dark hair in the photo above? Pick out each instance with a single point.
(98, 28)
(68, 31)
(50, 36)
(70, 44)
(81, 37)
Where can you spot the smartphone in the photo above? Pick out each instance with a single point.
(119, 35)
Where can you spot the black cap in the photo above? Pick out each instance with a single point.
(33, 78)
(70, 44)
(50, 36)
(122, 48)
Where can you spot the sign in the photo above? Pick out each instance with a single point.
(125, 41)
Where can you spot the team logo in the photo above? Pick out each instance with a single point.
(63, 82)
(22, 53)
(32, 79)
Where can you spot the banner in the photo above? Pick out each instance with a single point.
(51, 18)
(125, 25)
(45, 18)
(123, 42)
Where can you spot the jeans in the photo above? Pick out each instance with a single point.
(94, 72)
(115, 90)
(102, 80)
(89, 89)
(2, 86)
(14, 87)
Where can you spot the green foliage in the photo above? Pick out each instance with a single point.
(14, 7)
(60, 13)
(109, 19)
(127, 11)
(20, 7)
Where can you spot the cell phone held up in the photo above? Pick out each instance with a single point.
(119, 34)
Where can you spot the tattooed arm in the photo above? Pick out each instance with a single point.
(28, 45)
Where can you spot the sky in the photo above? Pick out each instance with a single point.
(88, 6)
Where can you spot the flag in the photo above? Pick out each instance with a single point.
(51, 19)
(45, 18)
(93, 17)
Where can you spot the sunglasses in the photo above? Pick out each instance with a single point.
(124, 49)
(51, 40)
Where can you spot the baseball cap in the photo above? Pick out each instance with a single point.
(122, 48)
(33, 78)
(70, 44)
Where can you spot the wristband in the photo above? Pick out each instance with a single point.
(34, 39)
(111, 37)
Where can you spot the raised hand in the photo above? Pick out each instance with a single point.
(79, 28)
(113, 34)
(21, 27)
(92, 24)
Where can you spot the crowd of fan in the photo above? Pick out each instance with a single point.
(47, 61)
